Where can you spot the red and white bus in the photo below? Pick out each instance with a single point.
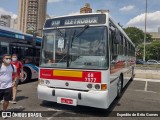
(86, 60)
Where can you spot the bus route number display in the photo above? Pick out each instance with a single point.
(90, 78)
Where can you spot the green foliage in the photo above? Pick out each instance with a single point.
(152, 51)
(148, 37)
(137, 35)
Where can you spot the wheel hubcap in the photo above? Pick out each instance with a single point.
(119, 86)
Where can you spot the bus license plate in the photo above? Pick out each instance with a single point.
(68, 101)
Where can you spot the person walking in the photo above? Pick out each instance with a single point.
(6, 71)
(19, 68)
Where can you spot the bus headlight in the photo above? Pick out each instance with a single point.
(41, 81)
(47, 82)
(97, 86)
(89, 86)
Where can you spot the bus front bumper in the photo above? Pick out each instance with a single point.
(97, 99)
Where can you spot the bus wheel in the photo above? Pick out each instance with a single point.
(27, 76)
(119, 87)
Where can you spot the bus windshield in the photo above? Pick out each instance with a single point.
(82, 47)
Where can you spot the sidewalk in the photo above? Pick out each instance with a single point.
(147, 80)
(147, 74)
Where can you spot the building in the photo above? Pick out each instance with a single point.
(5, 20)
(14, 24)
(156, 35)
(86, 9)
(31, 15)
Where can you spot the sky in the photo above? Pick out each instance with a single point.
(126, 12)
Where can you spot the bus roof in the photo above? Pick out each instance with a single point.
(73, 20)
(78, 19)
(77, 15)
(16, 34)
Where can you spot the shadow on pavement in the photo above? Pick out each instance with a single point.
(29, 81)
(19, 98)
(19, 91)
(83, 111)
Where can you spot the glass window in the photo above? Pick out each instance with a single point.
(75, 48)
(4, 48)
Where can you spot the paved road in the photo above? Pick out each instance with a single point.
(137, 96)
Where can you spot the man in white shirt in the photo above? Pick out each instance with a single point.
(6, 83)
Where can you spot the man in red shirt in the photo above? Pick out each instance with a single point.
(19, 67)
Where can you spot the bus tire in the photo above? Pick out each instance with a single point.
(27, 75)
(119, 87)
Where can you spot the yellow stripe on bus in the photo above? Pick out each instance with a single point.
(67, 73)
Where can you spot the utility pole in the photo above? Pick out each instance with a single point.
(144, 54)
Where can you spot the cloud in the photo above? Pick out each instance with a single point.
(51, 1)
(4, 12)
(127, 8)
(153, 21)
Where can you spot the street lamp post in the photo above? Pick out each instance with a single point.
(144, 55)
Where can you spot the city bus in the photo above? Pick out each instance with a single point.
(25, 46)
(85, 59)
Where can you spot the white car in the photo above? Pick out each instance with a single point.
(153, 62)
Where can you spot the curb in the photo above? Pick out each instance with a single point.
(149, 80)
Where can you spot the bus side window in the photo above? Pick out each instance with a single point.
(4, 48)
(112, 48)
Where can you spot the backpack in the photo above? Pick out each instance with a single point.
(11, 66)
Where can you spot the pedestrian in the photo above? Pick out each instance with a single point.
(6, 71)
(19, 68)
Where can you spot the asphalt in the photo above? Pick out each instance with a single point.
(139, 96)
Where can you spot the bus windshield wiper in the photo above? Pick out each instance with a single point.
(61, 34)
(73, 38)
(82, 30)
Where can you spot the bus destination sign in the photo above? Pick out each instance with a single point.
(76, 20)
(80, 21)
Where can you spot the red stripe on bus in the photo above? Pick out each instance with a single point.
(46, 73)
(87, 76)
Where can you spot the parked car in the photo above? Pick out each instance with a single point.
(140, 61)
(153, 62)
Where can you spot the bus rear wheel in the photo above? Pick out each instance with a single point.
(27, 76)
(119, 87)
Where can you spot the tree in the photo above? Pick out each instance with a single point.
(137, 35)
(152, 51)
(155, 50)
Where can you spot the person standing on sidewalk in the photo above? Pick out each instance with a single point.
(6, 71)
(19, 68)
